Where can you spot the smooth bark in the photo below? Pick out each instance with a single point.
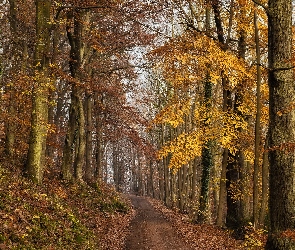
(257, 129)
(37, 145)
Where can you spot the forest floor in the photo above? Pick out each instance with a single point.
(59, 215)
(155, 227)
(150, 229)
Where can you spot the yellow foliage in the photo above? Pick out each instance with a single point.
(249, 155)
(182, 149)
(254, 238)
(216, 125)
(173, 113)
(185, 62)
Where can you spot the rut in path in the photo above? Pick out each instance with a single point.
(150, 230)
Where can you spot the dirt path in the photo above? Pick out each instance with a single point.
(150, 230)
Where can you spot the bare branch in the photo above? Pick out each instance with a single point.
(60, 9)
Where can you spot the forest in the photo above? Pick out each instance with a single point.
(190, 103)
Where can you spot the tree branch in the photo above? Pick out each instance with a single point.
(60, 9)
(275, 69)
(281, 69)
(148, 27)
(217, 17)
(194, 28)
(230, 23)
(262, 5)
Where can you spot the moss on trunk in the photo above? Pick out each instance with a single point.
(37, 145)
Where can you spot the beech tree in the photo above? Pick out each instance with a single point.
(37, 145)
(75, 142)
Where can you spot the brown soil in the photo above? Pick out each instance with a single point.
(150, 230)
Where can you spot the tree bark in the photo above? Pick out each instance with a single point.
(115, 163)
(207, 161)
(37, 145)
(222, 206)
(265, 180)
(237, 206)
(10, 125)
(70, 140)
(75, 142)
(81, 146)
(257, 129)
(221, 211)
(282, 124)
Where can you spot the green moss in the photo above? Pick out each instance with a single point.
(53, 217)
(115, 205)
(2, 238)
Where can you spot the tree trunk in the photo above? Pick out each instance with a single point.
(207, 161)
(166, 183)
(37, 145)
(58, 122)
(194, 181)
(54, 110)
(257, 129)
(244, 166)
(70, 140)
(180, 191)
(282, 125)
(265, 179)
(99, 140)
(232, 177)
(161, 179)
(237, 206)
(221, 212)
(75, 143)
(81, 146)
(10, 125)
(233, 219)
(232, 171)
(166, 177)
(115, 164)
(173, 189)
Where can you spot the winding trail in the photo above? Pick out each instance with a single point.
(149, 230)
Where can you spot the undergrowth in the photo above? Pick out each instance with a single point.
(56, 215)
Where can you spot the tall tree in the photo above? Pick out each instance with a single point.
(37, 145)
(282, 125)
(257, 126)
(75, 143)
(10, 127)
(207, 159)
